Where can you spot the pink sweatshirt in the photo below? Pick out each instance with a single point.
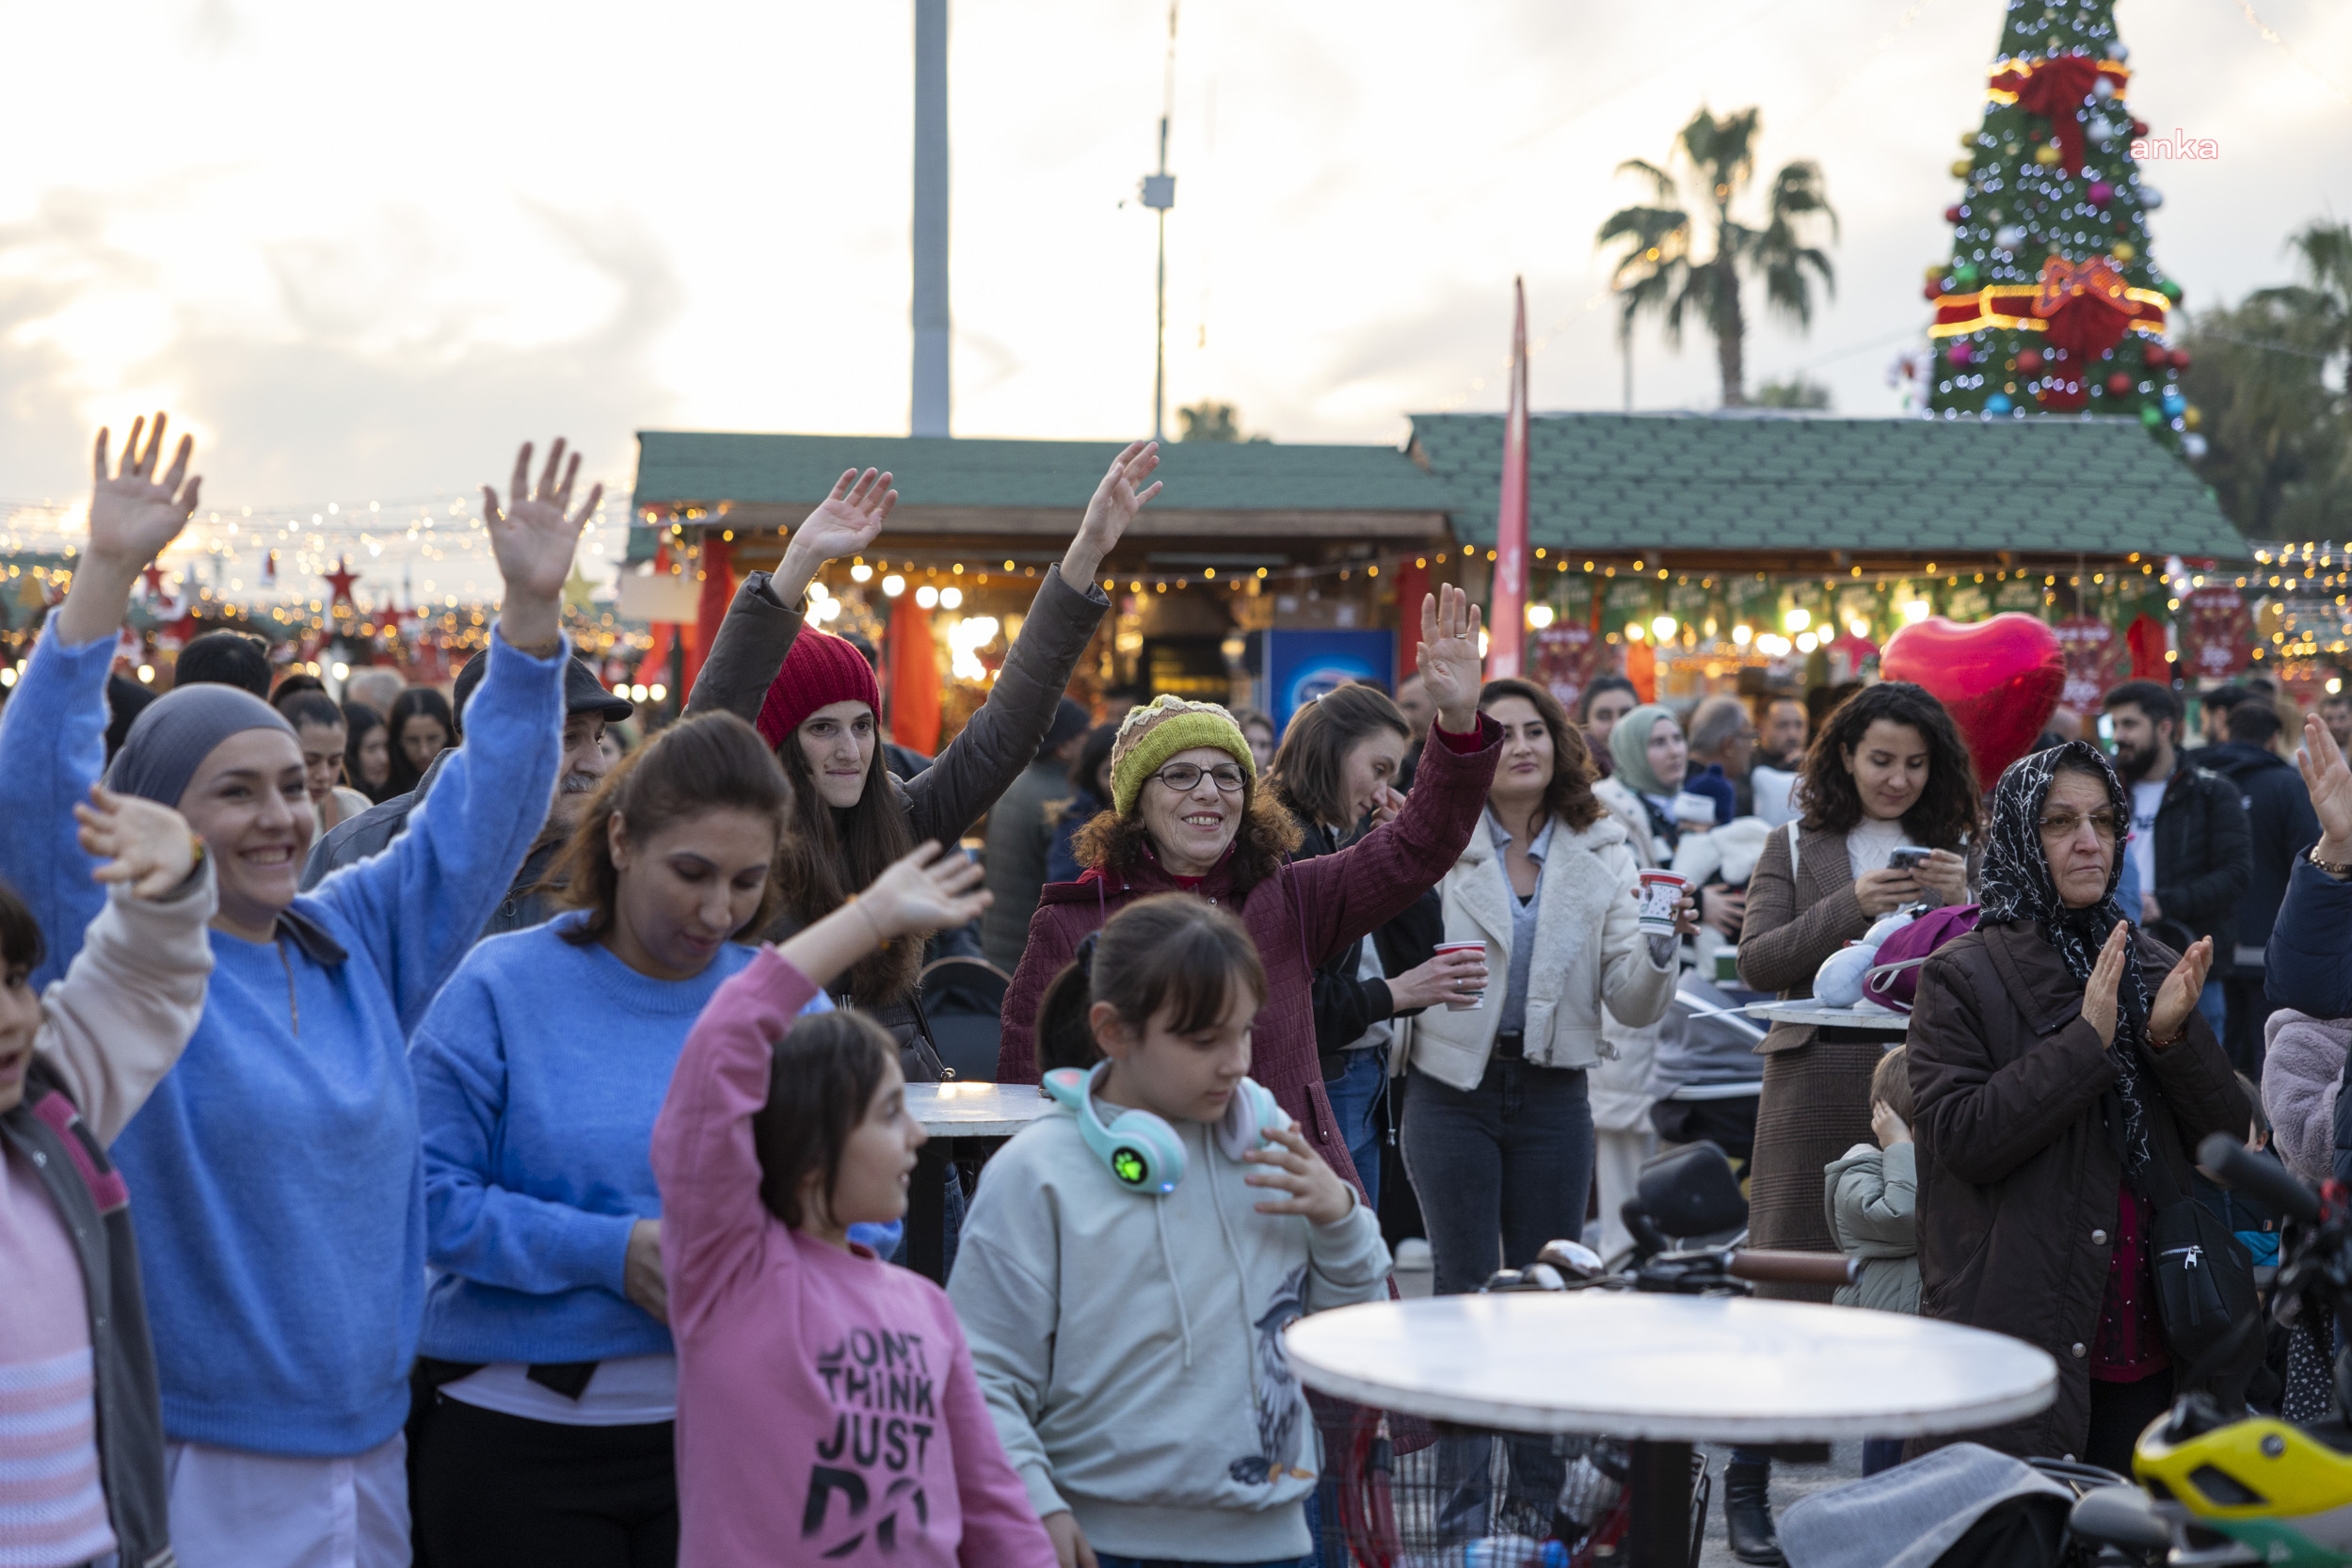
(826, 1406)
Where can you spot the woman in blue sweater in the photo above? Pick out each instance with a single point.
(281, 1205)
(540, 1071)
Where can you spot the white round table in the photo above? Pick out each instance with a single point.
(1665, 1371)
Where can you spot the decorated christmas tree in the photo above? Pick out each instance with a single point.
(2052, 303)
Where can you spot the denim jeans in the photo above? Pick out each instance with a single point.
(1355, 1099)
(1513, 1157)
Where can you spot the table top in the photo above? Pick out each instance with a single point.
(975, 1110)
(1683, 1369)
(1879, 1019)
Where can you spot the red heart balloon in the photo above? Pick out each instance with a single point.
(1998, 678)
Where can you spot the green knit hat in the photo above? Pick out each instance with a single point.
(1149, 735)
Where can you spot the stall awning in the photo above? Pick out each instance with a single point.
(966, 489)
(1788, 490)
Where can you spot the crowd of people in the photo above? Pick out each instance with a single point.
(516, 1126)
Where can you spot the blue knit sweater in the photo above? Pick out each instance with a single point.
(275, 1171)
(540, 1071)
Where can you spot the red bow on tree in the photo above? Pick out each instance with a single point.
(2086, 305)
(2055, 88)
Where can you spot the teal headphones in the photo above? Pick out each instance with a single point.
(1141, 1151)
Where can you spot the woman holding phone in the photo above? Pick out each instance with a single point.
(1890, 804)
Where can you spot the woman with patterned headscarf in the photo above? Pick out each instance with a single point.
(2061, 1075)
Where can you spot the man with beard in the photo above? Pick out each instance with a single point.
(2189, 840)
(587, 708)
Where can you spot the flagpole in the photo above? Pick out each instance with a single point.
(1506, 626)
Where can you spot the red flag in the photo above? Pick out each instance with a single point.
(1505, 625)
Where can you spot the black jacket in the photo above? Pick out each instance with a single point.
(2279, 822)
(2202, 862)
(1346, 1006)
(47, 1129)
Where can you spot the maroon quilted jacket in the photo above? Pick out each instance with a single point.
(1299, 917)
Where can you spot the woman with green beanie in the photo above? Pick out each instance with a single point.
(1187, 814)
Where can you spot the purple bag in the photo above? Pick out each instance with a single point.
(1894, 979)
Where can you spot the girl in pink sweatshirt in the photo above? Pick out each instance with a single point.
(826, 1406)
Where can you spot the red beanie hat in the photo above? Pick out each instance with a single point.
(822, 669)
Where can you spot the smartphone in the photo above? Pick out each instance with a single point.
(1908, 859)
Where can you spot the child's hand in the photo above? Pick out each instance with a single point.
(929, 890)
(144, 844)
(1316, 1189)
(1070, 1543)
(1887, 1125)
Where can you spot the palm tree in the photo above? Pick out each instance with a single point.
(1659, 272)
(2323, 304)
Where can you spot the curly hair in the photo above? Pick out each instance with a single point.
(1947, 808)
(1568, 799)
(1266, 836)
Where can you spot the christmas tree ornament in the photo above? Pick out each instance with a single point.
(2179, 359)
(2119, 384)
(2174, 403)
(1958, 354)
(2150, 196)
(2139, 128)
(2193, 416)
(1968, 141)
(2029, 362)
(2155, 356)
(2117, 52)
(2100, 193)
(2151, 417)
(1953, 214)
(1997, 404)
(2125, 250)
(2046, 154)
(2171, 290)
(2013, 149)
(2102, 89)
(1965, 274)
(1960, 168)
(2009, 236)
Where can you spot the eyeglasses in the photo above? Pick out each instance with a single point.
(2108, 824)
(1183, 778)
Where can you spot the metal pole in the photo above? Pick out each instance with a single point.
(1160, 354)
(929, 407)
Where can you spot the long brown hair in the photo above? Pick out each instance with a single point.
(1262, 844)
(1306, 770)
(1568, 799)
(711, 763)
(830, 854)
(1946, 810)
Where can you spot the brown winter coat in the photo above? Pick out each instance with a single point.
(1298, 917)
(2019, 1186)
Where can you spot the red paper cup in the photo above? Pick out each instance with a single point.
(1469, 1000)
(1661, 893)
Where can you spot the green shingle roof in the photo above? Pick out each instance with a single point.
(1700, 482)
(679, 467)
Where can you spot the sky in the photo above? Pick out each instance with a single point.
(362, 253)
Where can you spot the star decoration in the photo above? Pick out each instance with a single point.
(342, 578)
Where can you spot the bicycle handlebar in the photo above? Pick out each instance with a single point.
(1792, 1268)
(2232, 1164)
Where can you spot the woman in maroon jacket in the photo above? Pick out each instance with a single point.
(1188, 815)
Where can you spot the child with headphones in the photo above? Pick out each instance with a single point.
(1132, 1256)
(826, 1405)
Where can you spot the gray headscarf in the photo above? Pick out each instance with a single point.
(172, 736)
(1629, 749)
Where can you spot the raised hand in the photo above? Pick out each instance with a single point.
(146, 845)
(535, 541)
(1115, 504)
(2106, 976)
(2167, 1016)
(929, 890)
(843, 523)
(1449, 659)
(133, 516)
(2329, 781)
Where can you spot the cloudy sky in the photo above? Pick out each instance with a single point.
(364, 252)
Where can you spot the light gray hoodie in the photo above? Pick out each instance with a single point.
(1872, 1198)
(1130, 1347)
